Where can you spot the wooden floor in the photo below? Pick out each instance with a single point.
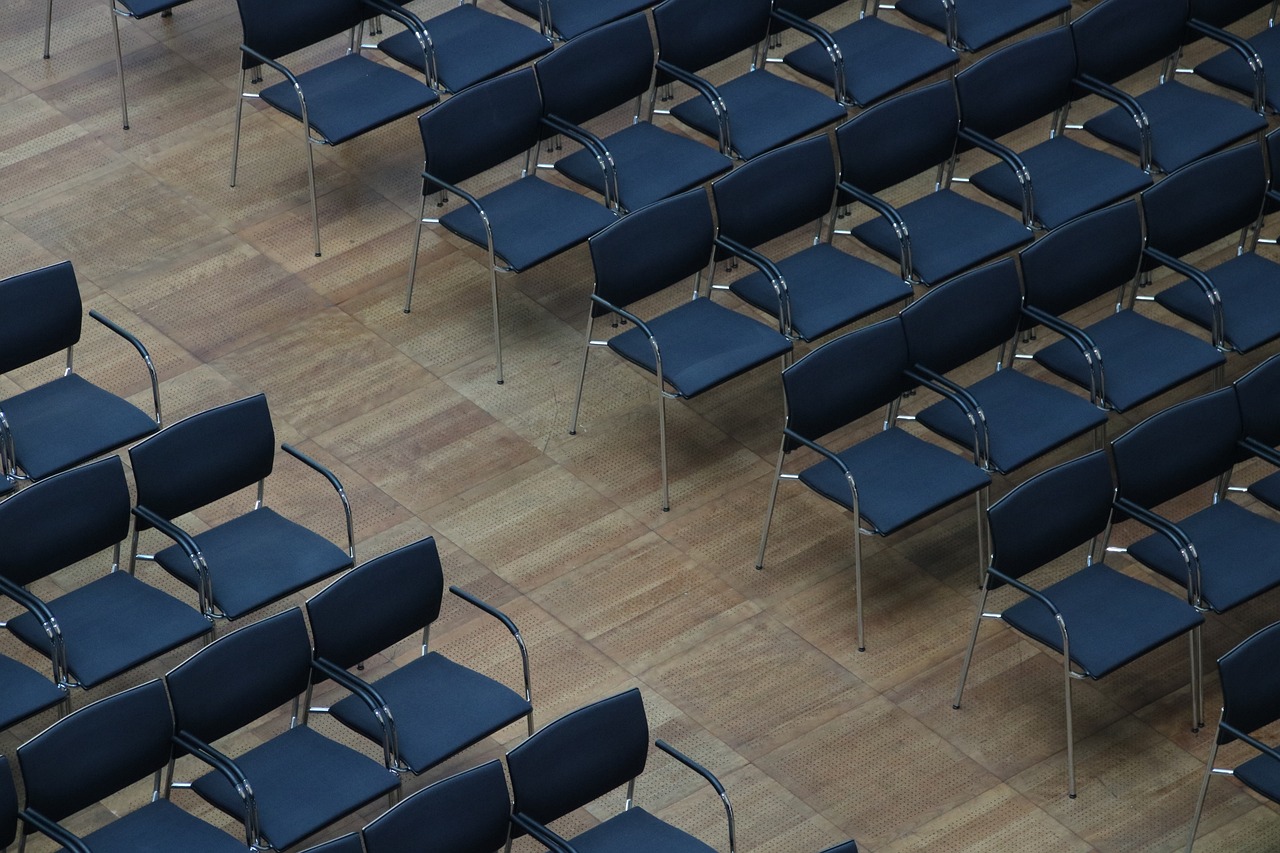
(752, 672)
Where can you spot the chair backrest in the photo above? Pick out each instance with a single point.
(349, 843)
(465, 813)
(1221, 13)
(241, 676)
(1118, 38)
(275, 28)
(693, 34)
(777, 192)
(43, 312)
(204, 457)
(807, 8)
(8, 805)
(377, 604)
(1083, 259)
(63, 519)
(97, 750)
(1258, 393)
(652, 248)
(1018, 84)
(598, 70)
(899, 138)
(961, 319)
(846, 847)
(1250, 684)
(583, 755)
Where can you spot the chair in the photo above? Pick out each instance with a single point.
(288, 786)
(104, 627)
(522, 223)
(751, 113)
(1020, 418)
(349, 843)
(26, 693)
(888, 480)
(585, 755)
(689, 349)
(97, 751)
(1096, 618)
(1060, 178)
(566, 19)
(334, 102)
(1258, 393)
(1126, 358)
(69, 420)
(820, 288)
(1237, 67)
(247, 561)
(972, 25)
(595, 73)
(427, 710)
(468, 812)
(942, 233)
(8, 805)
(1250, 700)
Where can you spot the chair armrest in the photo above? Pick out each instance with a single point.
(337, 486)
(509, 625)
(1015, 164)
(706, 90)
(541, 834)
(968, 404)
(413, 24)
(1246, 52)
(429, 180)
(1252, 741)
(1088, 349)
(54, 830)
(188, 545)
(829, 44)
(771, 272)
(1130, 105)
(1032, 592)
(289, 75)
(832, 458)
(142, 351)
(711, 779)
(596, 146)
(230, 771)
(372, 700)
(1263, 451)
(38, 608)
(1217, 330)
(644, 327)
(890, 213)
(1176, 536)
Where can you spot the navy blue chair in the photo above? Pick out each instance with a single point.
(1098, 619)
(752, 112)
(972, 25)
(591, 75)
(468, 812)
(427, 710)
(1258, 392)
(68, 420)
(520, 224)
(1237, 67)
(942, 233)
(586, 754)
(820, 288)
(887, 480)
(566, 19)
(26, 693)
(1126, 358)
(333, 102)
(689, 349)
(252, 559)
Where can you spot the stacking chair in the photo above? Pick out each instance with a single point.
(820, 288)
(69, 420)
(333, 102)
(522, 223)
(595, 73)
(289, 785)
(942, 233)
(688, 349)
(585, 755)
(566, 19)
(1258, 393)
(888, 480)
(1096, 618)
(1126, 358)
(1235, 68)
(972, 25)
(1250, 700)
(465, 813)
(247, 561)
(97, 751)
(751, 113)
(425, 711)
(1020, 418)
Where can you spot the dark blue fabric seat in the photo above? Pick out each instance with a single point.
(982, 23)
(636, 829)
(571, 18)
(1258, 393)
(161, 827)
(1250, 288)
(26, 692)
(349, 843)
(1230, 70)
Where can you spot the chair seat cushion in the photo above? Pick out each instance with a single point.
(350, 96)
(70, 420)
(900, 478)
(651, 164)
(827, 289)
(26, 692)
(636, 829)
(532, 220)
(949, 234)
(1067, 179)
(255, 559)
(574, 17)
(112, 624)
(302, 782)
(439, 707)
(1111, 618)
(765, 111)
(1262, 774)
(1250, 288)
(162, 827)
(1267, 490)
(1239, 554)
(147, 8)
(1141, 358)
(1230, 70)
(470, 45)
(702, 344)
(984, 22)
(1186, 124)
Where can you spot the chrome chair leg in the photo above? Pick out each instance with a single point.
(582, 375)
(857, 580)
(311, 185)
(115, 26)
(235, 139)
(968, 652)
(1204, 789)
(48, 26)
(773, 497)
(662, 446)
(413, 256)
(497, 324)
(1071, 739)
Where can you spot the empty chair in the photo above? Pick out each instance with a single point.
(520, 224)
(972, 25)
(68, 420)
(1258, 393)
(468, 812)
(565, 19)
(751, 113)
(26, 693)
(820, 288)
(1236, 66)
(333, 102)
(251, 559)
(886, 481)
(431, 708)
(688, 349)
(289, 785)
(1097, 619)
(97, 751)
(586, 754)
